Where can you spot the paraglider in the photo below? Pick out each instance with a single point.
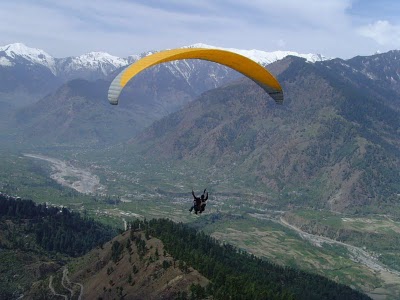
(199, 203)
(238, 62)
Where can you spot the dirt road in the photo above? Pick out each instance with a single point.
(66, 283)
(53, 291)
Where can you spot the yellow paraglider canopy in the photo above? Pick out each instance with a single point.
(235, 61)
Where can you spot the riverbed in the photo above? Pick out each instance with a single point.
(66, 174)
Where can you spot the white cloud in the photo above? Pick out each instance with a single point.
(327, 13)
(73, 27)
(382, 32)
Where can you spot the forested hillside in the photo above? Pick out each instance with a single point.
(41, 232)
(55, 229)
(235, 274)
(37, 240)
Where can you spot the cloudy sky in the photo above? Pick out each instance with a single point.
(334, 28)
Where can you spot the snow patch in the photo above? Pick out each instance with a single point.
(101, 61)
(94, 59)
(263, 57)
(5, 62)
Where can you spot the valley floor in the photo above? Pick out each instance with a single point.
(259, 231)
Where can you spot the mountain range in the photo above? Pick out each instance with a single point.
(336, 137)
(40, 89)
(14, 54)
(27, 74)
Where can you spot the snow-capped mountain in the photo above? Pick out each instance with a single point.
(92, 60)
(264, 58)
(92, 65)
(26, 74)
(10, 54)
(105, 63)
(32, 73)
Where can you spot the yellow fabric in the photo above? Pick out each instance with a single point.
(235, 61)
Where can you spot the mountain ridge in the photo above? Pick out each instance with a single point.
(29, 74)
(90, 59)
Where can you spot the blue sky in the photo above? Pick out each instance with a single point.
(334, 28)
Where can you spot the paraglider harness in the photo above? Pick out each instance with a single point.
(199, 204)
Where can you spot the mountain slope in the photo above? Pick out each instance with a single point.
(136, 267)
(77, 114)
(36, 240)
(26, 74)
(161, 262)
(332, 144)
(152, 260)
